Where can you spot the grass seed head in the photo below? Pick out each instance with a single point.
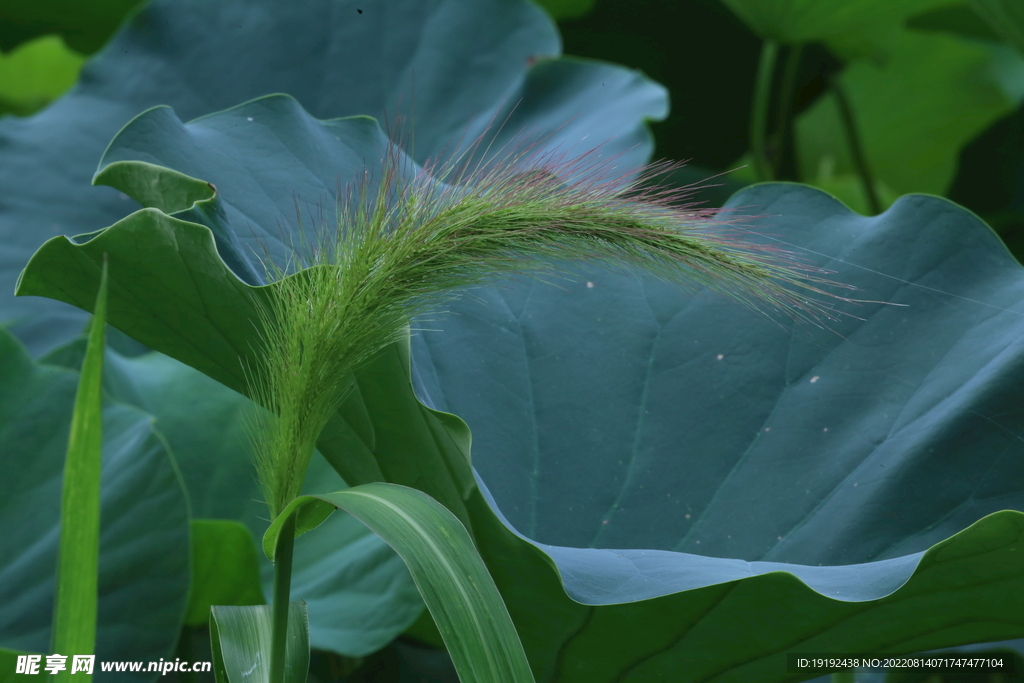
(407, 241)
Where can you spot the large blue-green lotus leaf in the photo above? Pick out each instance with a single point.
(761, 439)
(358, 592)
(447, 68)
(697, 488)
(144, 539)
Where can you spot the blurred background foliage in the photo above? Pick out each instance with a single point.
(933, 88)
(43, 46)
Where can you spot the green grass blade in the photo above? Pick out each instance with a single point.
(240, 637)
(449, 572)
(74, 621)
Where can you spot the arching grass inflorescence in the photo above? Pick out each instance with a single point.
(410, 239)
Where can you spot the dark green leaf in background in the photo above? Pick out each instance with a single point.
(225, 568)
(699, 51)
(84, 26)
(800, 21)
(1005, 17)
(990, 179)
(567, 9)
(958, 19)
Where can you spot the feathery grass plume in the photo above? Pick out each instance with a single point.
(411, 239)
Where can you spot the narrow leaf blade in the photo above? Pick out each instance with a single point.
(449, 572)
(74, 626)
(240, 637)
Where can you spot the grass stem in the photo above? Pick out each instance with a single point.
(786, 90)
(282, 598)
(759, 114)
(860, 161)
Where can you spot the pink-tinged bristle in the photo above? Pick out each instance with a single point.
(581, 191)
